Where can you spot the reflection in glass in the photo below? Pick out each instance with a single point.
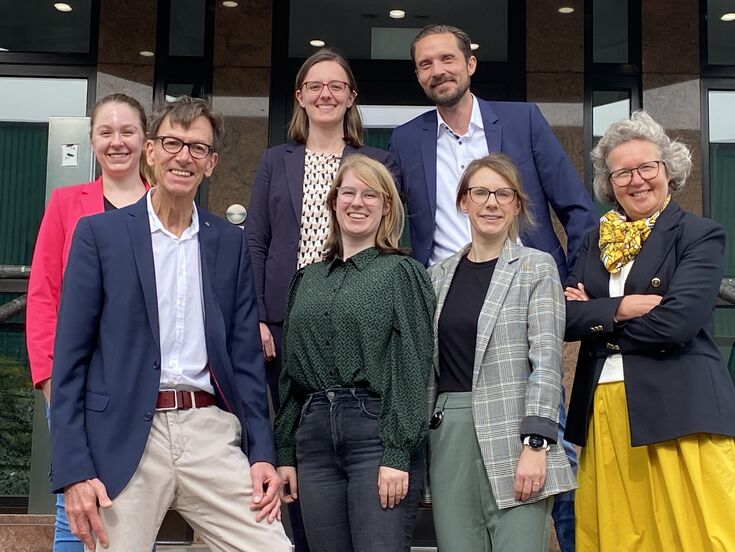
(186, 30)
(720, 34)
(722, 166)
(365, 30)
(608, 106)
(175, 90)
(610, 31)
(33, 26)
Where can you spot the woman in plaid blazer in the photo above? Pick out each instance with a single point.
(495, 389)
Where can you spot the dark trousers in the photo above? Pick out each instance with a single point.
(563, 512)
(273, 372)
(339, 450)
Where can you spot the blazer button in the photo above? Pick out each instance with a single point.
(610, 346)
(656, 282)
(156, 365)
(148, 417)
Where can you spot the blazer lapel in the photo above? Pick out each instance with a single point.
(92, 198)
(499, 285)
(140, 240)
(294, 167)
(447, 268)
(208, 242)
(492, 127)
(428, 156)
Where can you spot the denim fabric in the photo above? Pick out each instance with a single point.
(563, 512)
(339, 452)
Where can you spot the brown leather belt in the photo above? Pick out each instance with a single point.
(170, 399)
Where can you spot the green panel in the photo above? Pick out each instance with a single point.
(722, 186)
(22, 188)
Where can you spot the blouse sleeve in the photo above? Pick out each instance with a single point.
(403, 420)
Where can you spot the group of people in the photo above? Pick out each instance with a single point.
(171, 323)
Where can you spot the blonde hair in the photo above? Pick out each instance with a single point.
(298, 127)
(374, 175)
(507, 170)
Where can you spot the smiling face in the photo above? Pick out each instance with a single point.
(118, 139)
(326, 108)
(491, 221)
(641, 198)
(179, 174)
(442, 70)
(358, 217)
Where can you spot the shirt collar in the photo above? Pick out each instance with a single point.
(475, 120)
(157, 226)
(360, 260)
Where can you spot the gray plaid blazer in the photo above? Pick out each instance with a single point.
(516, 382)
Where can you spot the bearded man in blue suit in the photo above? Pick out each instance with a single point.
(433, 150)
(158, 382)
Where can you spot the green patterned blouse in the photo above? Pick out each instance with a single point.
(364, 322)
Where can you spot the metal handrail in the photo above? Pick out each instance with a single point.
(15, 271)
(727, 290)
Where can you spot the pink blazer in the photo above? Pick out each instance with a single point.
(66, 206)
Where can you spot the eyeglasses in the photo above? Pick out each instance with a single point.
(316, 87)
(480, 195)
(196, 149)
(647, 171)
(348, 195)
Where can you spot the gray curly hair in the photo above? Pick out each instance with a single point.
(640, 126)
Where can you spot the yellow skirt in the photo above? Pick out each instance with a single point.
(674, 496)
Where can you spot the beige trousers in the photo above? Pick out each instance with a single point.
(192, 463)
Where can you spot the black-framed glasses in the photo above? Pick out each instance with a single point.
(647, 171)
(348, 195)
(197, 150)
(480, 195)
(316, 87)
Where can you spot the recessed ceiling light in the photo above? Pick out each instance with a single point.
(3, 49)
(317, 43)
(566, 9)
(146, 53)
(229, 4)
(730, 16)
(62, 6)
(475, 46)
(397, 14)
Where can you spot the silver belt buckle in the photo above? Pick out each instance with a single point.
(176, 401)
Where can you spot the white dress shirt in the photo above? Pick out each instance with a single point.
(453, 154)
(180, 305)
(612, 370)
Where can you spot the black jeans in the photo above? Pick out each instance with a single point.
(338, 448)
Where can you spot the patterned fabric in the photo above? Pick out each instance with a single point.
(516, 384)
(620, 240)
(319, 171)
(364, 322)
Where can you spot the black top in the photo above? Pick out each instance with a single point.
(109, 206)
(458, 324)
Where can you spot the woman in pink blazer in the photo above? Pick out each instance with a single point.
(118, 133)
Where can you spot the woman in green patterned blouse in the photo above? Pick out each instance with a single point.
(358, 347)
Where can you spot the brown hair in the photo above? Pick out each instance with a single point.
(135, 105)
(298, 127)
(463, 39)
(184, 111)
(507, 170)
(373, 174)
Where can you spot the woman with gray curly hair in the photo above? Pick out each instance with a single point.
(653, 404)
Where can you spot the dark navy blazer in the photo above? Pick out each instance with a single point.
(520, 131)
(274, 221)
(107, 357)
(675, 380)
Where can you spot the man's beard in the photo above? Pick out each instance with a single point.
(451, 100)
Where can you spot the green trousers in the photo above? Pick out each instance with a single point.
(466, 516)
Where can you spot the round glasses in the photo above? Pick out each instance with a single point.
(480, 195)
(647, 171)
(348, 195)
(196, 149)
(316, 87)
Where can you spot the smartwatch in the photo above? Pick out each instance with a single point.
(536, 442)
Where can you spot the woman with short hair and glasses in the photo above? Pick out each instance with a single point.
(357, 350)
(495, 464)
(288, 221)
(653, 405)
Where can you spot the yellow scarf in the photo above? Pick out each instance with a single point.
(620, 240)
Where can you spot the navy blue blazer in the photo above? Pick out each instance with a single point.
(520, 131)
(675, 380)
(107, 355)
(274, 221)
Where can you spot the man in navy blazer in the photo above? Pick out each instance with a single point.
(433, 150)
(444, 65)
(158, 390)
